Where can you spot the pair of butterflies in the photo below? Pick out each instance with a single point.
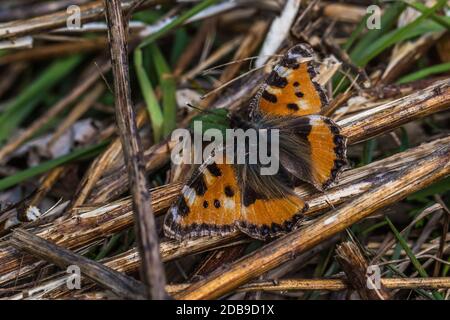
(222, 198)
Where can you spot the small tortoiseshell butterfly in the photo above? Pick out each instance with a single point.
(223, 198)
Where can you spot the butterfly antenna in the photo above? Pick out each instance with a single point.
(238, 61)
(199, 109)
(231, 81)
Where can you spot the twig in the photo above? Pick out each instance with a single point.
(355, 267)
(88, 12)
(152, 270)
(46, 184)
(55, 288)
(194, 46)
(52, 51)
(443, 239)
(385, 117)
(120, 284)
(330, 284)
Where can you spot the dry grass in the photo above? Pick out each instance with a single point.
(61, 152)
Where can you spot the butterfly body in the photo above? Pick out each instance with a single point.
(221, 198)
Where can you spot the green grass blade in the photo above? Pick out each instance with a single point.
(407, 249)
(105, 250)
(180, 42)
(356, 33)
(48, 165)
(153, 107)
(388, 20)
(443, 21)
(18, 109)
(408, 31)
(368, 152)
(177, 22)
(168, 87)
(439, 68)
(411, 255)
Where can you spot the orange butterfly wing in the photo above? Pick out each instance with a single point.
(291, 89)
(327, 151)
(269, 217)
(209, 204)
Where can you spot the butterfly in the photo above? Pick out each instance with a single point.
(221, 198)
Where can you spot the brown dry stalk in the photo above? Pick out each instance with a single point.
(46, 184)
(415, 177)
(128, 262)
(152, 270)
(344, 12)
(88, 12)
(13, 71)
(82, 229)
(194, 47)
(36, 9)
(52, 51)
(119, 283)
(443, 238)
(388, 116)
(355, 267)
(329, 284)
(213, 58)
(407, 55)
(248, 45)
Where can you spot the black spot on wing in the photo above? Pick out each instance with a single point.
(269, 97)
(275, 80)
(199, 185)
(299, 94)
(250, 196)
(216, 203)
(214, 170)
(229, 191)
(205, 204)
(302, 127)
(292, 106)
